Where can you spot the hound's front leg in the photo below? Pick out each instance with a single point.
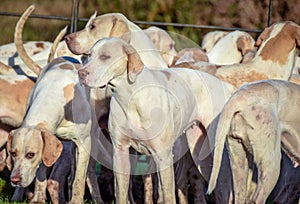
(122, 174)
(40, 185)
(164, 161)
(92, 182)
(82, 161)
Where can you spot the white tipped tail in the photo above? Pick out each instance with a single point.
(19, 42)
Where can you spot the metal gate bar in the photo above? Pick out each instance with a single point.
(74, 20)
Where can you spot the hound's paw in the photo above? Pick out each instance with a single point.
(38, 198)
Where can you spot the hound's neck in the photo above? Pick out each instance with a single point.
(278, 66)
(123, 90)
(119, 84)
(38, 117)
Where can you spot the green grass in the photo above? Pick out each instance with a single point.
(6, 190)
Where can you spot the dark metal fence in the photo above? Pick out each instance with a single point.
(74, 20)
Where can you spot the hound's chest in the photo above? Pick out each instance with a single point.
(131, 125)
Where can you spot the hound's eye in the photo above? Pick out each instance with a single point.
(13, 154)
(92, 27)
(29, 155)
(104, 57)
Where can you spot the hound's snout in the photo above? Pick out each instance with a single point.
(15, 180)
(68, 38)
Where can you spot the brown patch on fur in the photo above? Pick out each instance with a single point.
(16, 94)
(4, 68)
(40, 45)
(69, 92)
(119, 27)
(134, 64)
(277, 48)
(66, 66)
(244, 44)
(77, 66)
(240, 78)
(209, 68)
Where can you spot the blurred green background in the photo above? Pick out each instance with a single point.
(251, 14)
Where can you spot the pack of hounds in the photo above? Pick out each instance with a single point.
(217, 122)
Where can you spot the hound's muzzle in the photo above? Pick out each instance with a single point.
(15, 180)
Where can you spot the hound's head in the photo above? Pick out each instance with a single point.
(190, 55)
(27, 148)
(245, 42)
(109, 59)
(107, 25)
(278, 41)
(211, 38)
(163, 42)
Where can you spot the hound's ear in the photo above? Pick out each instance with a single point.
(263, 36)
(155, 38)
(126, 37)
(3, 157)
(9, 162)
(244, 43)
(134, 63)
(119, 27)
(52, 148)
(91, 19)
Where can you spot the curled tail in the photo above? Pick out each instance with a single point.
(58, 38)
(223, 129)
(19, 42)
